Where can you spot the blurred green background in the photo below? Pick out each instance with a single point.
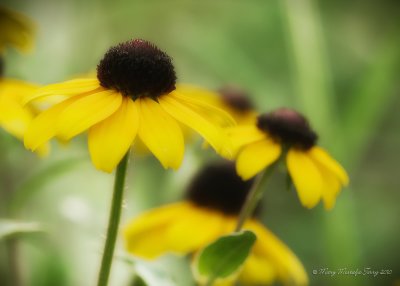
(338, 62)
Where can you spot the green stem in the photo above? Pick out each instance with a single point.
(254, 196)
(113, 222)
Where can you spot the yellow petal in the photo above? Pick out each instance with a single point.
(194, 229)
(67, 88)
(110, 139)
(16, 89)
(43, 127)
(306, 177)
(13, 117)
(217, 115)
(86, 112)
(258, 270)
(268, 247)
(144, 236)
(320, 155)
(242, 135)
(188, 116)
(331, 185)
(255, 157)
(160, 133)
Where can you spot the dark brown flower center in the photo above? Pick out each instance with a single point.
(236, 98)
(217, 186)
(137, 68)
(288, 127)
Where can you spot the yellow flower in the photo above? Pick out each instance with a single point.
(133, 95)
(314, 172)
(14, 117)
(15, 30)
(210, 210)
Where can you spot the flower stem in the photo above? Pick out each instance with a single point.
(254, 196)
(113, 222)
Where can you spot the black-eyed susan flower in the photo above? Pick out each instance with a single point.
(134, 95)
(16, 30)
(314, 172)
(14, 117)
(210, 210)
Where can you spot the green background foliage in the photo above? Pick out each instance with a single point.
(336, 61)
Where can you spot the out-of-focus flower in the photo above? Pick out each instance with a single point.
(14, 117)
(314, 172)
(133, 95)
(211, 209)
(16, 30)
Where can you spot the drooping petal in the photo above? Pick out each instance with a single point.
(160, 133)
(67, 88)
(188, 116)
(320, 155)
(144, 236)
(86, 112)
(286, 265)
(242, 135)
(306, 177)
(331, 185)
(44, 126)
(256, 156)
(111, 138)
(194, 230)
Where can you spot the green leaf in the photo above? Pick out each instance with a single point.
(12, 227)
(223, 257)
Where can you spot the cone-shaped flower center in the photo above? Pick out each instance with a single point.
(236, 98)
(217, 186)
(288, 127)
(137, 68)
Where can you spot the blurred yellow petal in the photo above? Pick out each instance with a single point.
(16, 89)
(16, 30)
(242, 135)
(67, 88)
(43, 127)
(306, 177)
(320, 155)
(257, 270)
(287, 266)
(331, 185)
(256, 156)
(186, 115)
(86, 112)
(160, 133)
(144, 236)
(194, 230)
(13, 117)
(110, 139)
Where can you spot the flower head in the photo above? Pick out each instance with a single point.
(210, 210)
(314, 172)
(134, 95)
(16, 30)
